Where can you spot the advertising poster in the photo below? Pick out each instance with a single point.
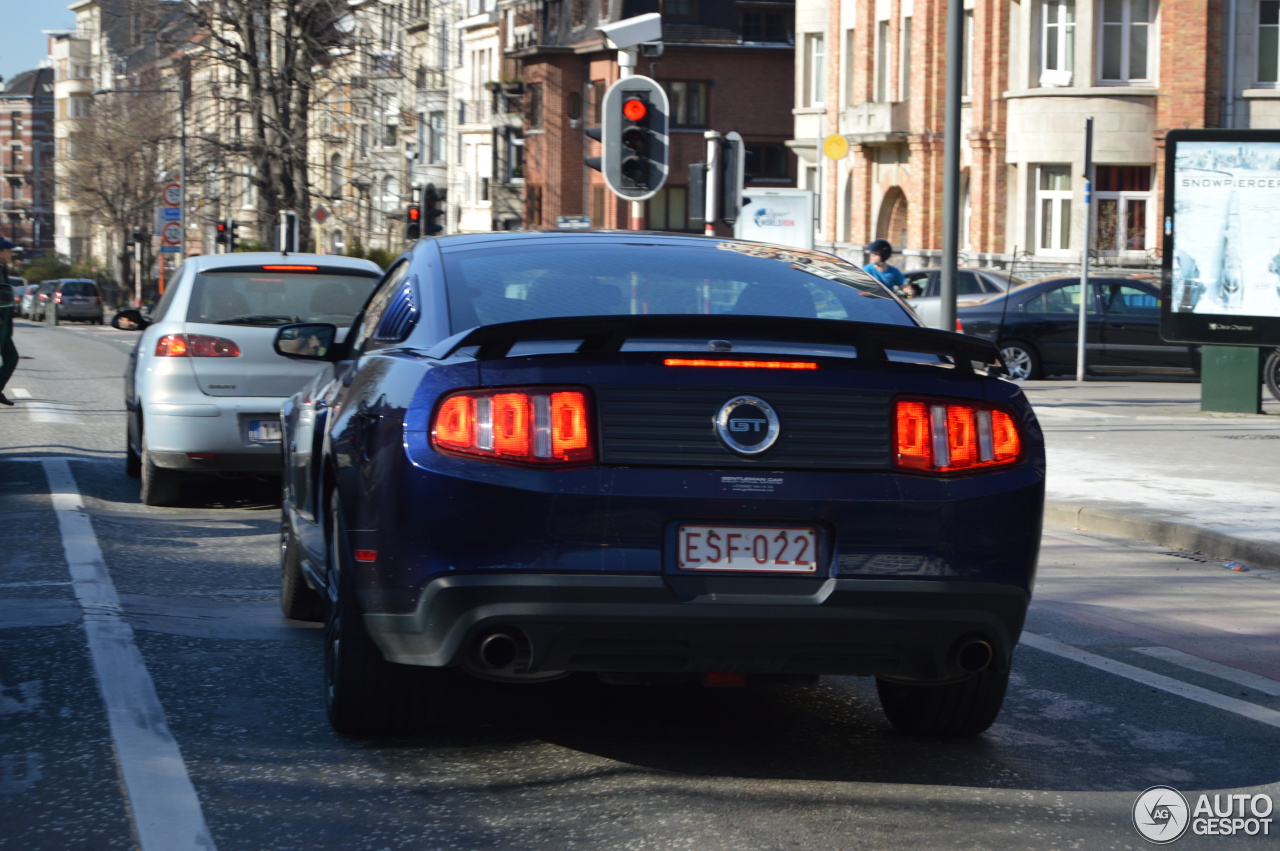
(780, 216)
(1222, 257)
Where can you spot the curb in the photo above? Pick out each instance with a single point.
(1159, 529)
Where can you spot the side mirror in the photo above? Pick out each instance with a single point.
(130, 320)
(310, 341)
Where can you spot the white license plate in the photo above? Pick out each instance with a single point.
(264, 431)
(758, 549)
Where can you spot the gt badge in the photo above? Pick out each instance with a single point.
(747, 425)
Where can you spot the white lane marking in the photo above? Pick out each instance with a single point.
(46, 412)
(1248, 679)
(1252, 711)
(162, 799)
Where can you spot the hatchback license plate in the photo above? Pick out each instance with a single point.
(758, 549)
(264, 431)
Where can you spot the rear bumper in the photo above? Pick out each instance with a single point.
(210, 425)
(895, 628)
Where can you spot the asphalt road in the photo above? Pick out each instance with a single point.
(184, 711)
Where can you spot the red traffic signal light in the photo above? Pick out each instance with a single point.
(415, 214)
(635, 109)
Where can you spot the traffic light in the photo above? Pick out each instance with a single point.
(432, 210)
(413, 222)
(633, 138)
(733, 157)
(221, 238)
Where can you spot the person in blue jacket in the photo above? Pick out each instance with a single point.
(880, 251)
(8, 351)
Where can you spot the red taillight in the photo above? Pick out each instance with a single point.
(281, 267)
(57, 297)
(531, 426)
(195, 346)
(744, 364)
(948, 436)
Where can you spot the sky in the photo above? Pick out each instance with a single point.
(24, 45)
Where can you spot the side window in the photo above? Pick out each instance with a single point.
(1131, 301)
(967, 284)
(382, 299)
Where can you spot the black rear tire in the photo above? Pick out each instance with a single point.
(160, 487)
(298, 600)
(1271, 373)
(132, 461)
(365, 695)
(964, 708)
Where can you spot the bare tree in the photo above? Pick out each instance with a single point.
(275, 51)
(115, 166)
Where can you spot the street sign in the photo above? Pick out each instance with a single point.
(573, 222)
(835, 146)
(170, 214)
(173, 195)
(170, 249)
(320, 214)
(172, 233)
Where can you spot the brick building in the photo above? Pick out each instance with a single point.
(725, 66)
(26, 160)
(874, 71)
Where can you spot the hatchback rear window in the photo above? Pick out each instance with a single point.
(239, 297)
(78, 288)
(541, 281)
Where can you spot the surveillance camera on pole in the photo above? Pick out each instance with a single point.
(631, 32)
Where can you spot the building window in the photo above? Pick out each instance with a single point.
(882, 61)
(688, 102)
(769, 162)
(578, 13)
(766, 26)
(335, 176)
(1124, 201)
(815, 76)
(534, 114)
(596, 93)
(904, 60)
(669, 210)
(533, 206)
(679, 8)
(1053, 209)
(967, 69)
(390, 195)
(1269, 41)
(437, 137)
(850, 44)
(1057, 42)
(1125, 39)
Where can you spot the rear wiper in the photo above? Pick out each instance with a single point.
(259, 319)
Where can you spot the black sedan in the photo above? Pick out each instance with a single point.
(654, 459)
(1037, 329)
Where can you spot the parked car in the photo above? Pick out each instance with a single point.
(654, 458)
(76, 299)
(203, 388)
(27, 298)
(970, 283)
(1037, 329)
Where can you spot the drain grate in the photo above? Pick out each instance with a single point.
(1249, 436)
(1195, 557)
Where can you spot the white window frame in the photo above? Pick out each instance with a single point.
(1126, 27)
(1123, 199)
(1268, 32)
(1057, 27)
(904, 58)
(815, 71)
(880, 90)
(1060, 217)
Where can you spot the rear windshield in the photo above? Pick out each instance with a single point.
(277, 298)
(78, 288)
(540, 281)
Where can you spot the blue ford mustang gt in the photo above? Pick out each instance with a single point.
(654, 458)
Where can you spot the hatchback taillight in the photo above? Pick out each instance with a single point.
(196, 346)
(949, 436)
(526, 426)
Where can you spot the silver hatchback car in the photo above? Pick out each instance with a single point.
(204, 385)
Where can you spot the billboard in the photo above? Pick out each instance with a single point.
(1222, 238)
(780, 216)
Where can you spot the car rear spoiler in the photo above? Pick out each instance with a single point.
(607, 334)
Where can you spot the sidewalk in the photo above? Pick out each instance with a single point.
(1138, 458)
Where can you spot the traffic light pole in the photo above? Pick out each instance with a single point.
(627, 67)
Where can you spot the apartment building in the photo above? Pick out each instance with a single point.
(874, 71)
(26, 159)
(726, 66)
